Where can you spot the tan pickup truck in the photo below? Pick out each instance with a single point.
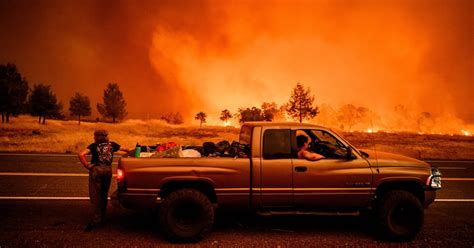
(272, 180)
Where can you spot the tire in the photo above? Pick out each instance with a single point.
(400, 215)
(186, 215)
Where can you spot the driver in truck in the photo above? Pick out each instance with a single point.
(302, 143)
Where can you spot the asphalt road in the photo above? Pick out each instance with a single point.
(43, 203)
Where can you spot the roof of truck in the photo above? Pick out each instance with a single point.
(284, 124)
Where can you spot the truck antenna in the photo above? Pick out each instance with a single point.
(375, 146)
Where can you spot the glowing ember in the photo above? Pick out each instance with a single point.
(466, 133)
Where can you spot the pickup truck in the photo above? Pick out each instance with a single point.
(394, 189)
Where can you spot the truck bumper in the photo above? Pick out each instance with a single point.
(430, 196)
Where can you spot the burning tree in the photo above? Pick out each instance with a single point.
(270, 111)
(43, 103)
(350, 115)
(13, 91)
(225, 115)
(173, 118)
(201, 116)
(114, 103)
(250, 114)
(79, 105)
(300, 105)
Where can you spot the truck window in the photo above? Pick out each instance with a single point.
(328, 145)
(245, 134)
(277, 144)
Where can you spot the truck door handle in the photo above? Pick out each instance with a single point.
(301, 168)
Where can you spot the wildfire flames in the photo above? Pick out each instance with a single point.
(466, 133)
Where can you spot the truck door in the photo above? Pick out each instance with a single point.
(334, 181)
(276, 168)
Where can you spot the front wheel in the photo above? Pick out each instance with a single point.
(400, 215)
(186, 215)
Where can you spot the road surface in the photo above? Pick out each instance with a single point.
(44, 203)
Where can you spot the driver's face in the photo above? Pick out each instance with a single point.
(306, 145)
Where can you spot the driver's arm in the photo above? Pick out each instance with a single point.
(312, 156)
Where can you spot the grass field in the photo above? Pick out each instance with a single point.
(24, 134)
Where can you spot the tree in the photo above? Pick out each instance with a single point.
(13, 91)
(349, 115)
(114, 103)
(43, 103)
(79, 105)
(250, 114)
(177, 119)
(201, 116)
(300, 105)
(270, 111)
(173, 118)
(225, 115)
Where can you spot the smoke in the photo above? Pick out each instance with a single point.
(415, 53)
(192, 56)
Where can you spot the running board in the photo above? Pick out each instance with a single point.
(273, 213)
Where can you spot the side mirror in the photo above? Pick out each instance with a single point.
(349, 155)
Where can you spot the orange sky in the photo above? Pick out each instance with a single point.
(189, 56)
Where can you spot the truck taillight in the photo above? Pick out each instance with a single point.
(120, 175)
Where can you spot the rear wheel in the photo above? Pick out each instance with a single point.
(400, 215)
(186, 215)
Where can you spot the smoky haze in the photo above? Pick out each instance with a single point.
(189, 56)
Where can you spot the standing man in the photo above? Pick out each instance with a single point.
(100, 174)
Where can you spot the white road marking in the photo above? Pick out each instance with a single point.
(454, 200)
(450, 161)
(46, 154)
(38, 154)
(452, 168)
(457, 179)
(45, 198)
(87, 198)
(34, 174)
(31, 174)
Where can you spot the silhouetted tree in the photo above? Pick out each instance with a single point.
(43, 103)
(114, 103)
(79, 105)
(269, 111)
(349, 115)
(300, 105)
(177, 119)
(173, 118)
(250, 114)
(201, 116)
(13, 91)
(225, 115)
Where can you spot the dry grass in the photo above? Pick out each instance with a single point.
(68, 137)
(424, 146)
